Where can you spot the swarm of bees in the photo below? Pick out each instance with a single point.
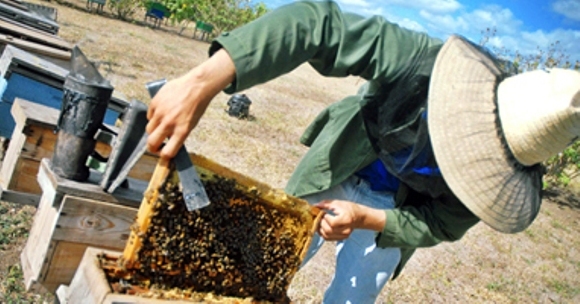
(240, 246)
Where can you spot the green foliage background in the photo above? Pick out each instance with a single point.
(223, 15)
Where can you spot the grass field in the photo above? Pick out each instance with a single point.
(539, 265)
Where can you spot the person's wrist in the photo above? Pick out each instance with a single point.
(360, 218)
(215, 74)
(369, 218)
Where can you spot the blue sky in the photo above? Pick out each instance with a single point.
(522, 25)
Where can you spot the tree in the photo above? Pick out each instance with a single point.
(224, 15)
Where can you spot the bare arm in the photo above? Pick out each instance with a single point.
(178, 106)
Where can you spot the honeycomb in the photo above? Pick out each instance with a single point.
(245, 245)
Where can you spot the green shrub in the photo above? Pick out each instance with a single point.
(125, 9)
(562, 168)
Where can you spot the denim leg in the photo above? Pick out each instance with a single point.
(362, 269)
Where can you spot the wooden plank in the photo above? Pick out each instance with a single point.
(25, 179)
(143, 220)
(35, 47)
(31, 19)
(12, 154)
(89, 284)
(19, 24)
(15, 4)
(61, 294)
(91, 189)
(92, 222)
(13, 55)
(82, 223)
(33, 35)
(145, 167)
(64, 262)
(39, 246)
(21, 198)
(17, 174)
(113, 298)
(32, 113)
(39, 143)
(60, 264)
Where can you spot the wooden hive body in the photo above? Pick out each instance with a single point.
(246, 246)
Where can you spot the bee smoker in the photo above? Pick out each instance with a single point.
(86, 95)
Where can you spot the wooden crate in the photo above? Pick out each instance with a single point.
(32, 140)
(50, 47)
(35, 79)
(89, 284)
(28, 17)
(72, 216)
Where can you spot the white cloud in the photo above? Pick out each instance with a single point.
(372, 11)
(441, 18)
(358, 3)
(411, 24)
(472, 24)
(493, 16)
(405, 22)
(445, 24)
(436, 6)
(531, 43)
(567, 41)
(569, 8)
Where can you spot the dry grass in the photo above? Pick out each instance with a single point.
(540, 265)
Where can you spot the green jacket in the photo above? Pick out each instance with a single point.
(342, 44)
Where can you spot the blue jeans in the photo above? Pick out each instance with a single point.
(362, 269)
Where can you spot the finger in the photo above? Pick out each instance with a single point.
(330, 230)
(325, 226)
(325, 230)
(172, 146)
(151, 110)
(152, 124)
(324, 204)
(156, 139)
(336, 221)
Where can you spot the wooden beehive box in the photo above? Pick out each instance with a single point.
(246, 246)
(90, 286)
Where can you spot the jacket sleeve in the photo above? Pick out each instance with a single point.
(423, 222)
(334, 43)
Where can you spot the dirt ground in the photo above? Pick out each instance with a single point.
(539, 265)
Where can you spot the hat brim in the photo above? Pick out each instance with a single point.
(468, 143)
